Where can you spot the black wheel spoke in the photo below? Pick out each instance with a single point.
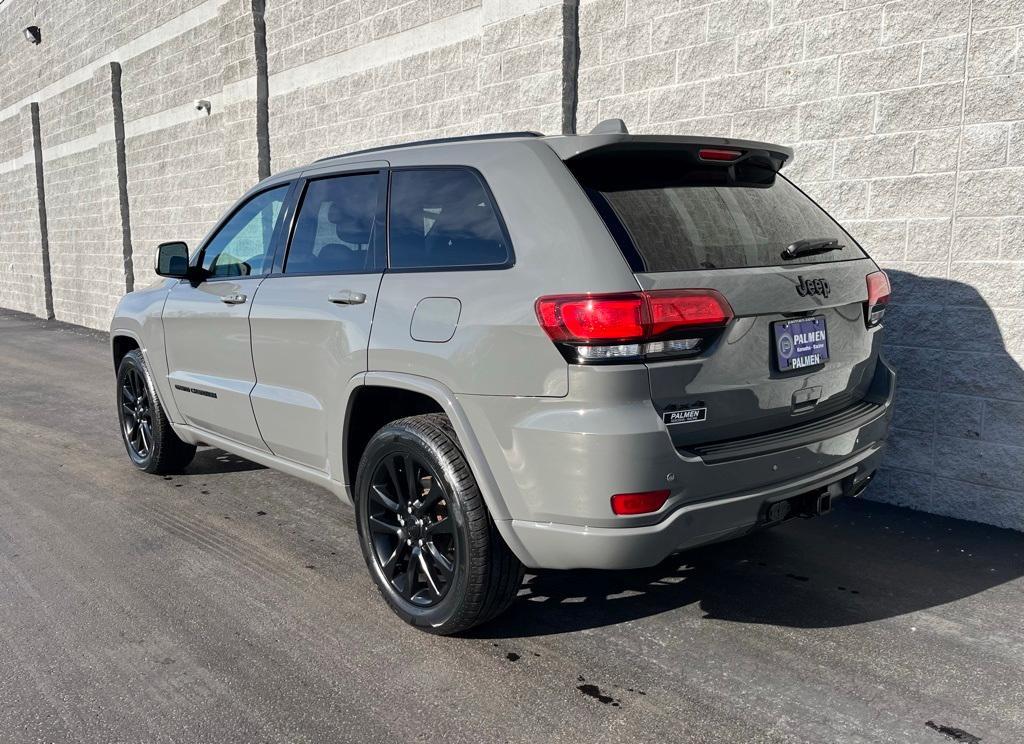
(127, 396)
(147, 435)
(409, 590)
(379, 525)
(431, 579)
(396, 483)
(444, 527)
(412, 491)
(129, 413)
(434, 493)
(439, 560)
(392, 561)
(381, 497)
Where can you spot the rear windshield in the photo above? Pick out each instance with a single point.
(670, 212)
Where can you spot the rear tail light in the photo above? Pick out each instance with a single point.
(633, 325)
(879, 292)
(625, 504)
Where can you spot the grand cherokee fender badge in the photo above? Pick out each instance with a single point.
(685, 416)
(195, 391)
(807, 287)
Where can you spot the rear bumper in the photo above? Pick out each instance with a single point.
(562, 546)
(556, 463)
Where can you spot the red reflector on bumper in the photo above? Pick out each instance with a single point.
(639, 503)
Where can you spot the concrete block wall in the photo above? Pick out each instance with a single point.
(174, 153)
(385, 73)
(907, 117)
(23, 273)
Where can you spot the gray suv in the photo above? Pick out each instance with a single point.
(514, 350)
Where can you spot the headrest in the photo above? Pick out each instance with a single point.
(353, 219)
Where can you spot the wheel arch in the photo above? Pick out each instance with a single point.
(121, 342)
(443, 401)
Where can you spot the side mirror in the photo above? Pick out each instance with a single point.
(172, 260)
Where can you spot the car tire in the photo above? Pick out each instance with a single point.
(407, 542)
(146, 432)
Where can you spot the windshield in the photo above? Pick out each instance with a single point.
(670, 212)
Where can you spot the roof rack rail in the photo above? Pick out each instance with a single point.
(439, 141)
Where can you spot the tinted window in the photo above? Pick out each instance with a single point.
(242, 246)
(335, 230)
(669, 212)
(443, 218)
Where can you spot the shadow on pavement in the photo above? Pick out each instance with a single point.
(209, 461)
(865, 561)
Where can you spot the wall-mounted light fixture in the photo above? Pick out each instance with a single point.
(33, 35)
(201, 104)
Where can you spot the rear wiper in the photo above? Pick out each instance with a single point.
(811, 247)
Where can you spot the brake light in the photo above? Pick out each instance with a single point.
(639, 503)
(879, 292)
(592, 317)
(632, 325)
(717, 154)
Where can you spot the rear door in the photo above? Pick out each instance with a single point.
(206, 324)
(799, 346)
(311, 318)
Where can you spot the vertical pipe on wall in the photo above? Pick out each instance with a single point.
(44, 237)
(262, 88)
(122, 177)
(570, 64)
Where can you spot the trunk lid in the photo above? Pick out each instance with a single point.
(737, 379)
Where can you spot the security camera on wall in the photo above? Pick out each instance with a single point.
(201, 104)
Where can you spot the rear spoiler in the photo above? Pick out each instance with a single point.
(569, 147)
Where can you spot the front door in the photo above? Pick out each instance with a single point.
(311, 320)
(206, 324)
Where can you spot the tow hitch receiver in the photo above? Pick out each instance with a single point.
(824, 505)
(806, 505)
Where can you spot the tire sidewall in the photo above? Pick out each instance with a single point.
(398, 438)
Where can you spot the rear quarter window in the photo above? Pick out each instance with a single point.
(444, 218)
(670, 212)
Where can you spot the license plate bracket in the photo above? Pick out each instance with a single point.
(800, 344)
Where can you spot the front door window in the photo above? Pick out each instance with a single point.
(242, 247)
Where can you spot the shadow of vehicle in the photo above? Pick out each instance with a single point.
(957, 442)
(210, 461)
(865, 561)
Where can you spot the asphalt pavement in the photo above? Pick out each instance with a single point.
(231, 604)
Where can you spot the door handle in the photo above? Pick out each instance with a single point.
(233, 299)
(347, 297)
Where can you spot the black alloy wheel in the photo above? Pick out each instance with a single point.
(432, 548)
(136, 415)
(146, 431)
(411, 530)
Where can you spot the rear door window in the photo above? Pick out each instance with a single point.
(337, 230)
(444, 218)
(670, 212)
